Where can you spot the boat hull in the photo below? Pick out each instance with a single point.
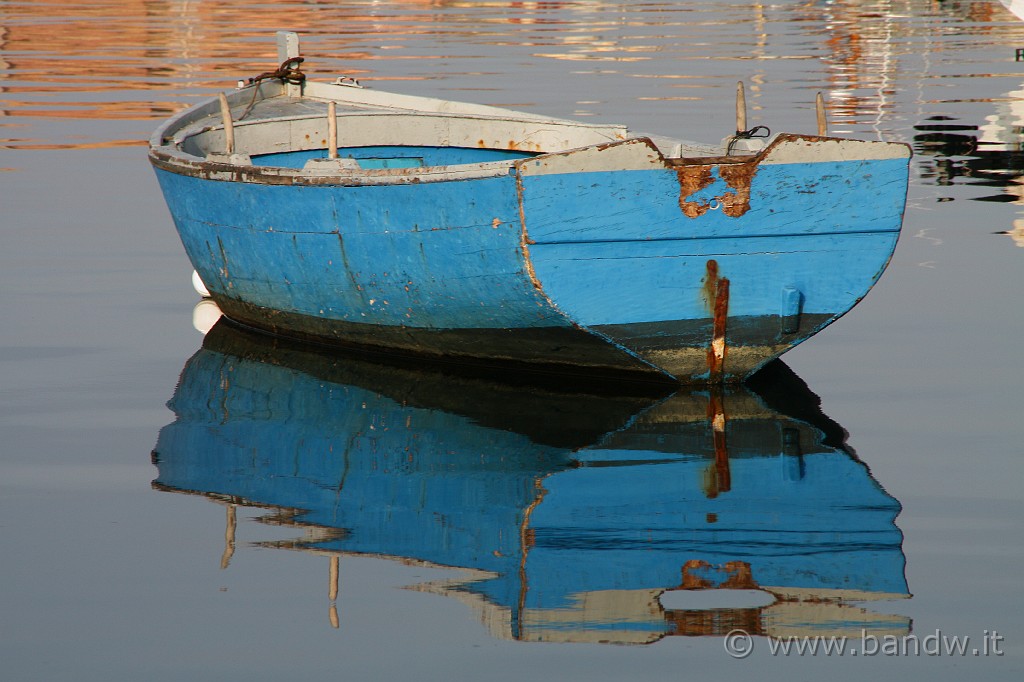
(689, 272)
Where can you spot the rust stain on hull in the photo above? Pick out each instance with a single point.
(692, 179)
(716, 297)
(737, 176)
(716, 353)
(710, 285)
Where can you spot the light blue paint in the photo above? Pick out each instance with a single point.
(792, 301)
(834, 527)
(393, 156)
(426, 256)
(614, 248)
(792, 306)
(391, 162)
(785, 200)
(432, 253)
(619, 282)
(605, 249)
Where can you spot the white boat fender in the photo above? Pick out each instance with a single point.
(197, 284)
(205, 315)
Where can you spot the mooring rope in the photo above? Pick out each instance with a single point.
(288, 72)
(756, 131)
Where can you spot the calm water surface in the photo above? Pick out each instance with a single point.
(174, 506)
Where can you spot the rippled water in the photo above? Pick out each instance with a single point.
(161, 522)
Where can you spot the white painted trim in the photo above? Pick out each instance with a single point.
(796, 149)
(636, 154)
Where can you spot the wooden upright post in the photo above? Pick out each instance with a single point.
(741, 109)
(288, 47)
(819, 105)
(229, 126)
(332, 130)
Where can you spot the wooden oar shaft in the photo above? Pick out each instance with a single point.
(229, 126)
(741, 108)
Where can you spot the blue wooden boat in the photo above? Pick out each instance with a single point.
(342, 215)
(571, 513)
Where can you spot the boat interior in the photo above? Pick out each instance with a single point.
(376, 131)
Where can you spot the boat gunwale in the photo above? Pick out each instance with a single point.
(182, 122)
(224, 168)
(166, 150)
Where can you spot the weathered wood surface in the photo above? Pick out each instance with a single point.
(471, 231)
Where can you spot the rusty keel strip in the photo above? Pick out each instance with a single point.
(717, 292)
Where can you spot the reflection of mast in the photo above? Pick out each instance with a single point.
(759, 53)
(229, 537)
(230, 528)
(862, 58)
(332, 592)
(186, 40)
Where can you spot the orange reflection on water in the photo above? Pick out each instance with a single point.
(144, 59)
(55, 53)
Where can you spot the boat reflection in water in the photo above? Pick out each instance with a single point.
(579, 516)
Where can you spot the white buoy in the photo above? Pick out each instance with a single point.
(205, 315)
(197, 284)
